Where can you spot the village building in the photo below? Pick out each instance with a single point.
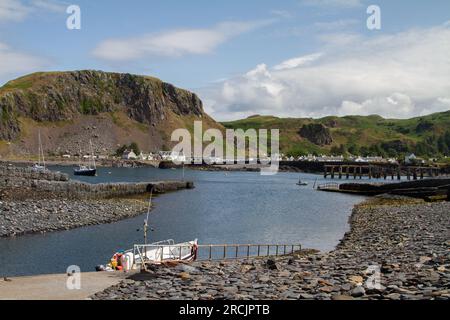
(129, 155)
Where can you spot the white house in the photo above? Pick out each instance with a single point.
(129, 155)
(330, 158)
(410, 159)
(143, 156)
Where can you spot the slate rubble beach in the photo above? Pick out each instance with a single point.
(408, 242)
(39, 202)
(41, 216)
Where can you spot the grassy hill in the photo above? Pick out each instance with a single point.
(427, 136)
(111, 109)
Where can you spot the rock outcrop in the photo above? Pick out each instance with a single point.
(116, 104)
(316, 133)
(61, 96)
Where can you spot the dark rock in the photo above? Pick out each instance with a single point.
(358, 291)
(316, 133)
(271, 264)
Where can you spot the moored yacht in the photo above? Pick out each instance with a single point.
(87, 170)
(40, 165)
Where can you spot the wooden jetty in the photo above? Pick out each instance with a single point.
(419, 189)
(378, 171)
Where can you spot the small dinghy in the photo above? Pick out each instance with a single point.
(302, 183)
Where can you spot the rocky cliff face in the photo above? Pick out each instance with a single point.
(316, 133)
(64, 95)
(85, 97)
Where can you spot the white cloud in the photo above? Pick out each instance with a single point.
(12, 10)
(333, 3)
(17, 10)
(297, 62)
(397, 75)
(397, 105)
(333, 25)
(176, 42)
(13, 62)
(50, 5)
(281, 13)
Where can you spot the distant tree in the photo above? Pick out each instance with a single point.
(121, 150)
(364, 151)
(339, 150)
(376, 150)
(353, 149)
(391, 152)
(425, 148)
(334, 150)
(134, 146)
(442, 145)
(447, 139)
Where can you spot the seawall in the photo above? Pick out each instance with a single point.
(25, 183)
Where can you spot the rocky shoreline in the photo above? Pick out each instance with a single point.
(396, 250)
(40, 216)
(39, 202)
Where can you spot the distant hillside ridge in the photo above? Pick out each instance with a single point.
(426, 136)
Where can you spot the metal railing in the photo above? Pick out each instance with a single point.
(209, 252)
(167, 251)
(328, 186)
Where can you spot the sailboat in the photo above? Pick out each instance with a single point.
(90, 169)
(302, 183)
(40, 166)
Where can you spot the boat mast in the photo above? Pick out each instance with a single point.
(183, 171)
(40, 151)
(92, 154)
(146, 219)
(39, 148)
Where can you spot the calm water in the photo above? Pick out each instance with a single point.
(233, 207)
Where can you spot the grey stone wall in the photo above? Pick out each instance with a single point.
(55, 184)
(79, 190)
(18, 176)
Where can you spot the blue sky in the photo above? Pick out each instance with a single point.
(232, 52)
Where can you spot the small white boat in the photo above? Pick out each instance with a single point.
(163, 251)
(38, 168)
(154, 253)
(302, 183)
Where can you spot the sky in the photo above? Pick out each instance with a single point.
(290, 58)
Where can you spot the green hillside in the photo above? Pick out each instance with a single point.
(427, 136)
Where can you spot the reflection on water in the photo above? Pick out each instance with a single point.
(232, 207)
